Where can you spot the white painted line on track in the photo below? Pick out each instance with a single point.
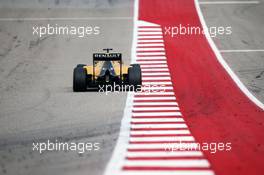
(149, 49)
(145, 126)
(185, 131)
(144, 70)
(165, 154)
(154, 93)
(166, 146)
(151, 62)
(157, 88)
(156, 98)
(176, 119)
(154, 65)
(227, 2)
(154, 103)
(158, 139)
(155, 69)
(150, 33)
(150, 41)
(221, 60)
(157, 83)
(150, 45)
(151, 58)
(153, 36)
(156, 33)
(154, 108)
(156, 78)
(153, 73)
(142, 114)
(151, 53)
(139, 59)
(169, 163)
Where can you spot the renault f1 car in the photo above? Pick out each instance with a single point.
(107, 69)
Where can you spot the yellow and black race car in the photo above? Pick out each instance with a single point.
(107, 69)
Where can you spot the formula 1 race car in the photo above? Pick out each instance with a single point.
(107, 69)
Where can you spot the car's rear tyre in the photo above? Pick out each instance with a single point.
(79, 79)
(135, 65)
(134, 76)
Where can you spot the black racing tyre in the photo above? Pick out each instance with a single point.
(138, 69)
(79, 79)
(81, 65)
(135, 65)
(134, 75)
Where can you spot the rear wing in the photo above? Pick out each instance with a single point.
(107, 57)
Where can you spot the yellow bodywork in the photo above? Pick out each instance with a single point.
(98, 67)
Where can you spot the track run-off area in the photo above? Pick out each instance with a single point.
(203, 102)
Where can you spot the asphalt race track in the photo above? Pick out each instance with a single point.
(37, 102)
(201, 102)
